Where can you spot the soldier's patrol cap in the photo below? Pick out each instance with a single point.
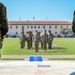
(49, 31)
(45, 30)
(36, 30)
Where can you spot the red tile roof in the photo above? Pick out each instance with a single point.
(39, 23)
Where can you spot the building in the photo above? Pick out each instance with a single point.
(16, 27)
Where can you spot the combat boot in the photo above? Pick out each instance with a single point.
(49, 47)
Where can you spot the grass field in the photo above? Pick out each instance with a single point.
(61, 46)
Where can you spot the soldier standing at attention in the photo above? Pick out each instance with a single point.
(44, 40)
(22, 40)
(41, 40)
(36, 39)
(31, 35)
(28, 38)
(50, 39)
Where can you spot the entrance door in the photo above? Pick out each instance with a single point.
(22, 28)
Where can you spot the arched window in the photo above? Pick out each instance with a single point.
(55, 27)
(50, 27)
(16, 27)
(27, 27)
(38, 26)
(10, 27)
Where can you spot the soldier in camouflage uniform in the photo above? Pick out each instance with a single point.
(28, 38)
(3, 23)
(44, 40)
(31, 35)
(36, 39)
(22, 39)
(50, 39)
(41, 40)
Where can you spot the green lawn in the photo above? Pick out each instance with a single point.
(61, 46)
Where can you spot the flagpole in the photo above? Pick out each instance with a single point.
(33, 24)
(46, 20)
(20, 23)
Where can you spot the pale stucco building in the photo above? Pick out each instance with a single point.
(19, 26)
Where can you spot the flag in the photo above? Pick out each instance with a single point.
(33, 18)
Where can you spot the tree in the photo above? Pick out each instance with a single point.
(66, 30)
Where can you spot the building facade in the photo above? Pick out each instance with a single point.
(16, 27)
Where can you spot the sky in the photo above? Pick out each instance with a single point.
(41, 10)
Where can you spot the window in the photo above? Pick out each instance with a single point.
(44, 27)
(61, 26)
(10, 27)
(55, 32)
(38, 26)
(31, 27)
(55, 27)
(50, 27)
(16, 27)
(27, 27)
(35, 27)
(22, 28)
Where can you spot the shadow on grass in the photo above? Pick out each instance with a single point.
(58, 49)
(55, 49)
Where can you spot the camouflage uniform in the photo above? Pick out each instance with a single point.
(31, 36)
(22, 40)
(28, 38)
(37, 39)
(44, 40)
(50, 39)
(41, 40)
(3, 23)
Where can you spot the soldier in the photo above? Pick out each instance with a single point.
(36, 39)
(31, 36)
(50, 39)
(28, 38)
(3, 23)
(41, 40)
(44, 40)
(22, 39)
(73, 23)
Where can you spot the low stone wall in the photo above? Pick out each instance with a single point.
(44, 57)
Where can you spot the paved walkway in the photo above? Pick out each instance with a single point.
(37, 68)
(45, 57)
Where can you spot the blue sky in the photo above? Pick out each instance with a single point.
(54, 10)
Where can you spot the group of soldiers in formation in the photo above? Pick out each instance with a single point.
(38, 37)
